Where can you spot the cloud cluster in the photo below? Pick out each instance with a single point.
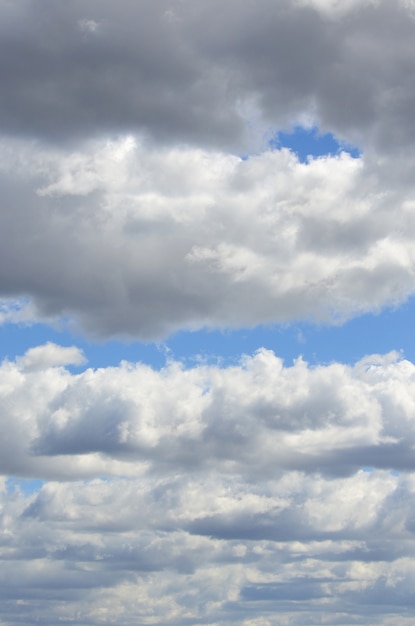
(127, 239)
(230, 493)
(256, 418)
(182, 550)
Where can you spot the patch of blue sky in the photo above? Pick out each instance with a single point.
(26, 486)
(310, 142)
(29, 486)
(391, 329)
(392, 472)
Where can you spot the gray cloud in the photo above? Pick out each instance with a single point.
(133, 71)
(127, 240)
(189, 72)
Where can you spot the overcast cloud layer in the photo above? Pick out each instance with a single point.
(140, 195)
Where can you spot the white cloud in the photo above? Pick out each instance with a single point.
(338, 8)
(51, 355)
(88, 26)
(256, 418)
(17, 311)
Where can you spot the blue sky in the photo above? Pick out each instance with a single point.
(310, 142)
(207, 362)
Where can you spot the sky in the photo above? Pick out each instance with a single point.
(207, 294)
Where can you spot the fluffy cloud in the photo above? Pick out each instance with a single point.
(226, 504)
(126, 239)
(50, 355)
(258, 418)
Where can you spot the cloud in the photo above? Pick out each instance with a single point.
(210, 495)
(88, 26)
(186, 72)
(126, 208)
(257, 418)
(139, 197)
(125, 239)
(51, 355)
(173, 494)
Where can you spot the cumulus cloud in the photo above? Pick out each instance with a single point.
(256, 418)
(127, 239)
(223, 507)
(51, 355)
